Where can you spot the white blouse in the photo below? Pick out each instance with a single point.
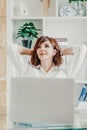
(25, 69)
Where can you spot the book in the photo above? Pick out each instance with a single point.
(83, 94)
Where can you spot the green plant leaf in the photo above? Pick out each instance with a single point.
(28, 31)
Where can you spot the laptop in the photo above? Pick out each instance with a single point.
(42, 100)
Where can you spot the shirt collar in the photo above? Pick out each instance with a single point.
(54, 68)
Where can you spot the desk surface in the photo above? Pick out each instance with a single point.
(53, 128)
(80, 124)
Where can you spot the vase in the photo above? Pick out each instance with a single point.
(86, 7)
(79, 7)
(27, 43)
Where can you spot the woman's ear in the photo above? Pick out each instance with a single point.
(54, 52)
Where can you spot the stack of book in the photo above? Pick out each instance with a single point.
(83, 94)
(82, 105)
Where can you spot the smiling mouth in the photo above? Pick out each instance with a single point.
(43, 53)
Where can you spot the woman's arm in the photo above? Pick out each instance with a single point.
(18, 61)
(68, 51)
(24, 51)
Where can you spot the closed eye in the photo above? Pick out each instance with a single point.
(39, 46)
(47, 46)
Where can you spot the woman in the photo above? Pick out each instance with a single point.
(45, 61)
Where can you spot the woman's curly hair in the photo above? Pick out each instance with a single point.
(57, 59)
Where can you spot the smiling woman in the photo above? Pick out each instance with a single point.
(45, 59)
(46, 53)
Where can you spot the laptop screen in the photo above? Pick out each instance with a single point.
(42, 100)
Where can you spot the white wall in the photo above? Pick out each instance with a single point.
(73, 29)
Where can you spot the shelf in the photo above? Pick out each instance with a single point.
(81, 82)
(81, 106)
(72, 28)
(24, 18)
(33, 8)
(67, 18)
(61, 18)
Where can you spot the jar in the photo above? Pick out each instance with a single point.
(78, 5)
(86, 6)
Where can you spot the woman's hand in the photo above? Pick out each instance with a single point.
(24, 51)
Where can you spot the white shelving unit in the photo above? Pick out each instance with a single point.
(72, 28)
(3, 64)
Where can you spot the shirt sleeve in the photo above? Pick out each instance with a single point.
(75, 61)
(72, 61)
(19, 61)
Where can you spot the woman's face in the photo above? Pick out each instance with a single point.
(46, 51)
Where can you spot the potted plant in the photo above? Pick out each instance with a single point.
(28, 32)
(75, 0)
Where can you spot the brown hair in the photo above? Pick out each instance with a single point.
(57, 59)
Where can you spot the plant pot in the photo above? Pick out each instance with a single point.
(27, 43)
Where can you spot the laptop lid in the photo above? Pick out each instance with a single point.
(42, 100)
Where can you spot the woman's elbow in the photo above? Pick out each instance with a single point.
(20, 50)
